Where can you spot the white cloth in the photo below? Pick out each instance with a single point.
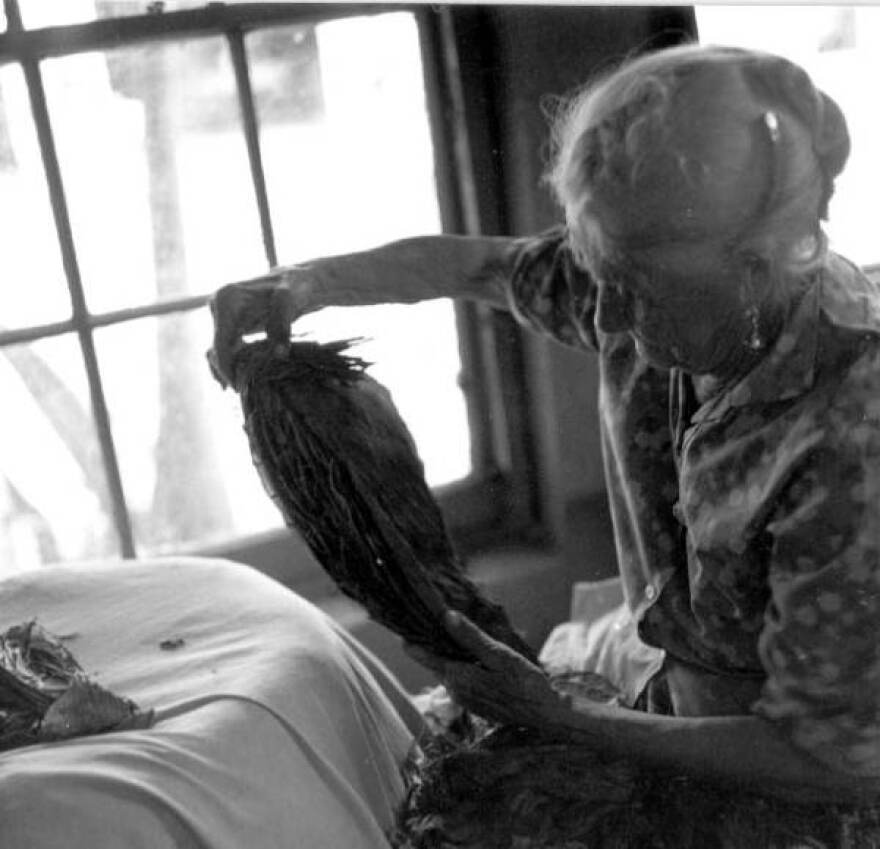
(602, 637)
(274, 728)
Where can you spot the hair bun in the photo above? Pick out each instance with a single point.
(789, 86)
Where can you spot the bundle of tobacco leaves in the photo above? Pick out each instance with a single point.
(45, 695)
(481, 786)
(341, 466)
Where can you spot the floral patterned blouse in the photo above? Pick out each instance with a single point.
(748, 527)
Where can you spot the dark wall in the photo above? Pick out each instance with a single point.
(515, 61)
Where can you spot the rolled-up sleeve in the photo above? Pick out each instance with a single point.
(549, 293)
(821, 640)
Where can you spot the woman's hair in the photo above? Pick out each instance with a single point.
(700, 143)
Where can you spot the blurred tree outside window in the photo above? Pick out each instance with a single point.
(162, 207)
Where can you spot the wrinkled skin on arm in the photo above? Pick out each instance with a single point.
(502, 686)
(402, 272)
(742, 750)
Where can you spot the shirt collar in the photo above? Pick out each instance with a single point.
(845, 297)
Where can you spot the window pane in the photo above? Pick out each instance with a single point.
(33, 288)
(48, 13)
(348, 158)
(54, 503)
(349, 165)
(156, 171)
(840, 47)
(415, 354)
(184, 459)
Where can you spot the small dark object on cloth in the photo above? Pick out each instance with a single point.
(45, 695)
(340, 464)
(172, 644)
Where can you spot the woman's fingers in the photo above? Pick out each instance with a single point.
(479, 690)
(281, 315)
(233, 309)
(488, 651)
(465, 633)
(499, 684)
(269, 304)
(261, 305)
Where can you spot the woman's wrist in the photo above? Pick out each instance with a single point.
(579, 715)
(296, 280)
(325, 282)
(738, 749)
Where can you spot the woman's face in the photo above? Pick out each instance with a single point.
(682, 304)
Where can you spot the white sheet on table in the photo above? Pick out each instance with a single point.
(274, 727)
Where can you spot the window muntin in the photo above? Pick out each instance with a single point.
(349, 165)
(128, 370)
(840, 48)
(351, 171)
(155, 171)
(183, 457)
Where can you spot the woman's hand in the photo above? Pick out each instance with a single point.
(405, 271)
(265, 304)
(501, 686)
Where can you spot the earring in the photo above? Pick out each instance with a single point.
(755, 339)
(753, 318)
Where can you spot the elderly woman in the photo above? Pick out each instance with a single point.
(740, 412)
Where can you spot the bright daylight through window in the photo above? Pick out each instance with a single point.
(158, 188)
(840, 47)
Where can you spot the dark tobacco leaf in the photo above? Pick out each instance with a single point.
(522, 789)
(341, 466)
(21, 696)
(85, 708)
(34, 668)
(45, 694)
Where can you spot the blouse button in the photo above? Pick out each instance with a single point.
(678, 513)
(650, 592)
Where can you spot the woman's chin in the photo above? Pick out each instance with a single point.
(657, 356)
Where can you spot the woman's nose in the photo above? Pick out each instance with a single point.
(613, 310)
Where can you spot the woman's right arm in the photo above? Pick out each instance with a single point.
(403, 272)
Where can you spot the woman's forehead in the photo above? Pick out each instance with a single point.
(685, 255)
(683, 259)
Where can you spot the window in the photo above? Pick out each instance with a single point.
(145, 160)
(840, 48)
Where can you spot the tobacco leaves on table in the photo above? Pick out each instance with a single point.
(45, 695)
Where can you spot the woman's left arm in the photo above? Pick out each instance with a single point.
(742, 750)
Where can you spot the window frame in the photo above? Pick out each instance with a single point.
(497, 499)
